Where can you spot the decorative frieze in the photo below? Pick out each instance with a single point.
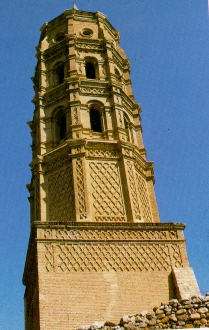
(109, 257)
(105, 154)
(94, 90)
(107, 235)
(89, 45)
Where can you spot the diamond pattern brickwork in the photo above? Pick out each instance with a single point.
(144, 198)
(118, 257)
(134, 196)
(102, 153)
(61, 195)
(176, 253)
(104, 235)
(49, 256)
(58, 162)
(108, 202)
(80, 186)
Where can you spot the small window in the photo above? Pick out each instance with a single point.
(95, 120)
(90, 70)
(61, 126)
(87, 32)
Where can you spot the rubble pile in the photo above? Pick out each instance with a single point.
(189, 313)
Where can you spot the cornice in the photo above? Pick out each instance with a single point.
(106, 225)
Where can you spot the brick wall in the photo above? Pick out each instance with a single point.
(65, 299)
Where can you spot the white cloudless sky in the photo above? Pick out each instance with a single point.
(167, 43)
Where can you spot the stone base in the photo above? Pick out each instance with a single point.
(97, 272)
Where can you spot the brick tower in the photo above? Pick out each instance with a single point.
(97, 249)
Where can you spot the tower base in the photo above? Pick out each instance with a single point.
(100, 272)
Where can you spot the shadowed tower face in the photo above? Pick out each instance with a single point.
(95, 227)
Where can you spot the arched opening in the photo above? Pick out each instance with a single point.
(90, 70)
(95, 120)
(60, 36)
(60, 125)
(59, 73)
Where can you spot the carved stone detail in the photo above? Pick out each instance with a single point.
(94, 90)
(127, 152)
(75, 116)
(92, 46)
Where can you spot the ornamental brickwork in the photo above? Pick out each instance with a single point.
(95, 228)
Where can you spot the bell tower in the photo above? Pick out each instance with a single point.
(97, 249)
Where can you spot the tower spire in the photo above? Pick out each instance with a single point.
(74, 6)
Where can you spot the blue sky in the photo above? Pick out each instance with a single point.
(168, 45)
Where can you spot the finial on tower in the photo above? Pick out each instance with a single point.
(74, 6)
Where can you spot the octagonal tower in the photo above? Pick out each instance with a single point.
(97, 249)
